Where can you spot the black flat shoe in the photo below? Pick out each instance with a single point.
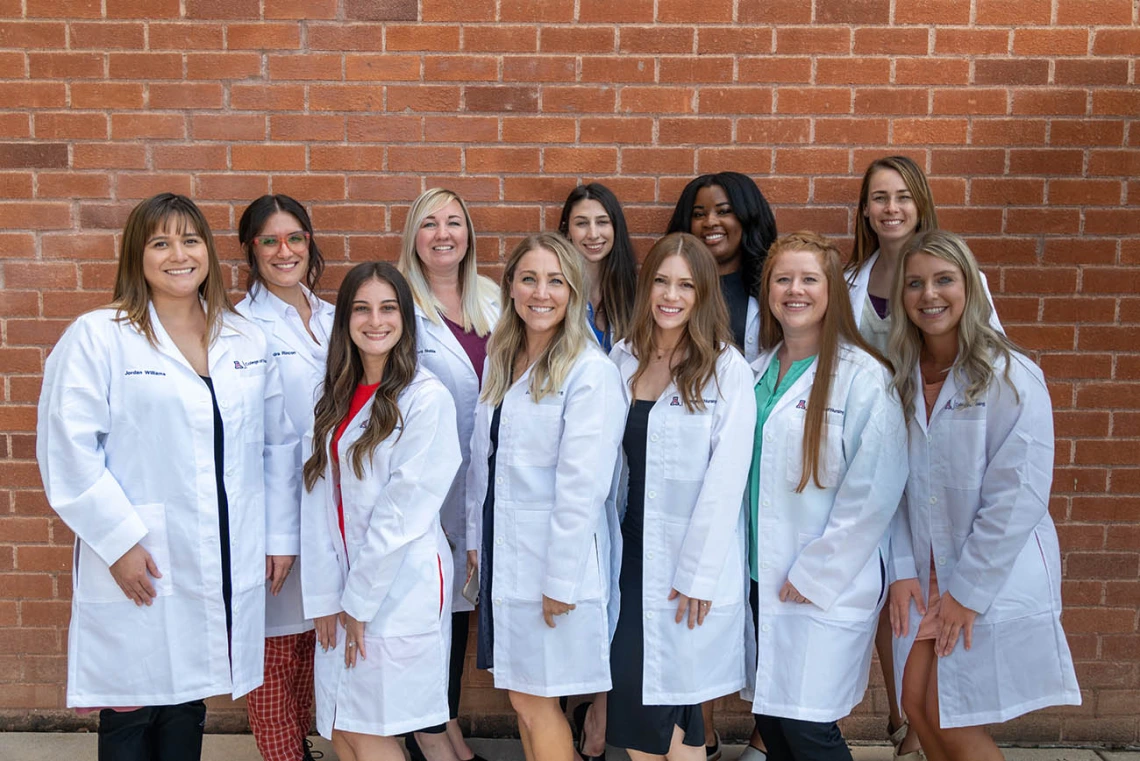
(580, 712)
(310, 754)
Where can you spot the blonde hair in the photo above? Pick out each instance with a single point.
(131, 297)
(509, 336)
(979, 343)
(838, 328)
(474, 291)
(707, 331)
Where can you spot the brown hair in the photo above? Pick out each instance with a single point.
(838, 328)
(131, 297)
(707, 331)
(344, 372)
(866, 239)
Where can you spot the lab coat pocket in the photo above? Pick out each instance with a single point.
(537, 431)
(830, 456)
(412, 604)
(860, 601)
(964, 463)
(251, 405)
(1026, 591)
(730, 587)
(690, 447)
(532, 542)
(94, 582)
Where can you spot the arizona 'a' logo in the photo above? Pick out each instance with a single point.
(801, 404)
(238, 365)
(676, 402)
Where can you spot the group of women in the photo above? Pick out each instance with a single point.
(738, 469)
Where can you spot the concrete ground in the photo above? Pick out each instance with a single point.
(46, 746)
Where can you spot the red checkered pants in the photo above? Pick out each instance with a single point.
(281, 709)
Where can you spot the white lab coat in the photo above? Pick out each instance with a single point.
(752, 331)
(440, 352)
(814, 659)
(977, 501)
(694, 531)
(125, 444)
(301, 362)
(390, 571)
(555, 479)
(857, 286)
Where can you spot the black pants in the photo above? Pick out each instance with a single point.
(795, 740)
(154, 733)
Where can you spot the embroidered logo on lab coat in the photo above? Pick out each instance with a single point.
(676, 402)
(954, 406)
(239, 365)
(801, 404)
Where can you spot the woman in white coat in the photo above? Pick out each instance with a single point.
(285, 265)
(829, 466)
(455, 311)
(687, 445)
(974, 546)
(540, 495)
(375, 573)
(163, 443)
(895, 204)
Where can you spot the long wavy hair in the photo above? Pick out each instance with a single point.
(252, 221)
(838, 328)
(509, 336)
(758, 224)
(866, 239)
(344, 371)
(707, 331)
(618, 271)
(979, 344)
(474, 291)
(131, 296)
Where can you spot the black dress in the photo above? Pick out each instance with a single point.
(629, 724)
(223, 505)
(485, 653)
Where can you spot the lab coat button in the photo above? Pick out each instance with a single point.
(649, 614)
(498, 600)
(751, 339)
(934, 500)
(767, 503)
(652, 495)
(768, 438)
(765, 628)
(499, 480)
(498, 541)
(224, 404)
(654, 437)
(649, 556)
(764, 565)
(942, 560)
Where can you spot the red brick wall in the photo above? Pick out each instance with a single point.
(1024, 112)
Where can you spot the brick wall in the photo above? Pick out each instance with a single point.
(1024, 113)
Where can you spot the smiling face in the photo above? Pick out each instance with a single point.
(673, 294)
(540, 292)
(282, 252)
(591, 230)
(797, 294)
(441, 241)
(175, 261)
(934, 295)
(715, 222)
(375, 325)
(891, 210)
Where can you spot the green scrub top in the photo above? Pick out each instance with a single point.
(767, 394)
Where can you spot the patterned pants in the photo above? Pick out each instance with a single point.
(281, 709)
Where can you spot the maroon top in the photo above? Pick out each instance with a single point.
(882, 306)
(474, 345)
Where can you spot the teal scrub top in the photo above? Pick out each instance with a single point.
(767, 394)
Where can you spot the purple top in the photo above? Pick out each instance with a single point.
(473, 345)
(882, 306)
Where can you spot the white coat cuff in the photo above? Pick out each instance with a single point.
(360, 609)
(557, 589)
(323, 605)
(903, 568)
(975, 600)
(691, 587)
(282, 544)
(820, 596)
(124, 536)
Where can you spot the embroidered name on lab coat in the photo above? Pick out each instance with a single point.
(426, 351)
(282, 353)
(144, 372)
(954, 406)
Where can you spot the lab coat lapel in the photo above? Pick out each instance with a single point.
(801, 387)
(268, 320)
(167, 346)
(443, 336)
(857, 284)
(946, 395)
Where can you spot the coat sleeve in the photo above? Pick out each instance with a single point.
(1014, 493)
(902, 564)
(74, 419)
(874, 440)
(321, 579)
(282, 485)
(424, 462)
(593, 418)
(477, 475)
(717, 511)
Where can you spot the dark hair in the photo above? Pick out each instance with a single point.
(618, 269)
(757, 222)
(254, 218)
(344, 372)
